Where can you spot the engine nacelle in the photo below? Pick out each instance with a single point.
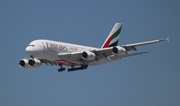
(28, 63)
(118, 50)
(34, 63)
(24, 63)
(88, 55)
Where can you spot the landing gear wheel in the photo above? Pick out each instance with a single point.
(82, 67)
(61, 69)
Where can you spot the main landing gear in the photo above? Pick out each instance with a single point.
(61, 69)
(82, 67)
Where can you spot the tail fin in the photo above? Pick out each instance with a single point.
(113, 37)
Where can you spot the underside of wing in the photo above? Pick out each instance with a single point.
(47, 62)
(87, 57)
(70, 56)
(133, 54)
(73, 58)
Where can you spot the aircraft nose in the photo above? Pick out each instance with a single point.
(29, 50)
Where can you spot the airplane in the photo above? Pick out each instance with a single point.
(79, 57)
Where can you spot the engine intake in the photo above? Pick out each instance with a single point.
(24, 63)
(27, 63)
(88, 55)
(34, 63)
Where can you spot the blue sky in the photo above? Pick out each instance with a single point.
(145, 80)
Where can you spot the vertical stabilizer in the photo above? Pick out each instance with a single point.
(113, 37)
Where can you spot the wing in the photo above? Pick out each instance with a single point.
(132, 46)
(77, 56)
(107, 53)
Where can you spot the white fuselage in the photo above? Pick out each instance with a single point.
(49, 50)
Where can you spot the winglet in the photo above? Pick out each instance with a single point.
(167, 39)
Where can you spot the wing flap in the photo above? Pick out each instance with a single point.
(133, 54)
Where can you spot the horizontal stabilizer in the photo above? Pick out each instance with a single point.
(133, 54)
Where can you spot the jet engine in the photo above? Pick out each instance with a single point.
(118, 50)
(24, 63)
(28, 63)
(34, 62)
(88, 55)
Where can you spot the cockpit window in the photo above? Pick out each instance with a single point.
(31, 45)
